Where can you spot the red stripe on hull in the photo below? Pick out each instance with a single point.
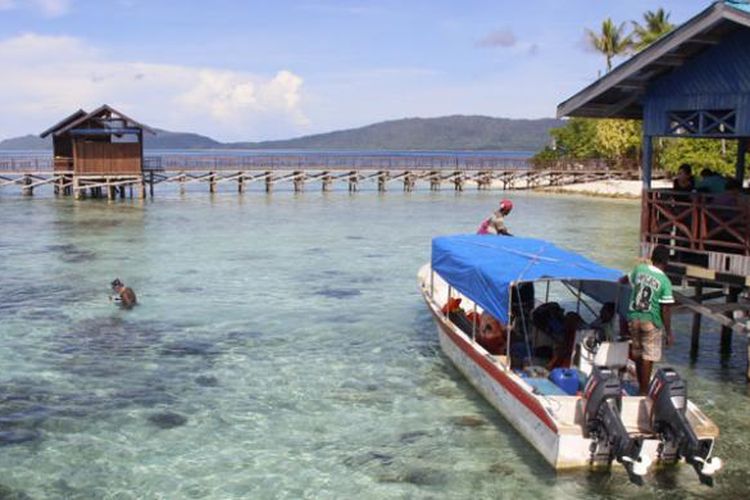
(499, 376)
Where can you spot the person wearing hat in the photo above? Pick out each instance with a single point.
(496, 222)
(125, 295)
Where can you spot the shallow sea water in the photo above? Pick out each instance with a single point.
(282, 350)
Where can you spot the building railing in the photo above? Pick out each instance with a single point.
(697, 227)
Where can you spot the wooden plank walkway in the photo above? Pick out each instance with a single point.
(354, 170)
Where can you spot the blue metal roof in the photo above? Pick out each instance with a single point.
(738, 4)
(484, 267)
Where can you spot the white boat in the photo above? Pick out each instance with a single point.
(595, 426)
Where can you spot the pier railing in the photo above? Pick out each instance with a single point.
(711, 231)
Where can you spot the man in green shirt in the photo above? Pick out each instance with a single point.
(649, 314)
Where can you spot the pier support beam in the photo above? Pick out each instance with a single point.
(298, 181)
(269, 181)
(353, 182)
(382, 181)
(435, 181)
(409, 182)
(458, 181)
(240, 182)
(695, 338)
(27, 191)
(326, 180)
(726, 333)
(212, 182)
(77, 191)
(151, 184)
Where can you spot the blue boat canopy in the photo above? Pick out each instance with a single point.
(484, 267)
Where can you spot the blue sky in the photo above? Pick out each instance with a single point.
(266, 70)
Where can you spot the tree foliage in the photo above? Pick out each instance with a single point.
(610, 41)
(720, 156)
(618, 142)
(656, 24)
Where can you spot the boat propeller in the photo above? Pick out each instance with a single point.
(668, 394)
(602, 416)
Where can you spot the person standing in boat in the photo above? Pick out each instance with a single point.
(649, 314)
(495, 224)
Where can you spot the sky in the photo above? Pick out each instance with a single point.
(261, 70)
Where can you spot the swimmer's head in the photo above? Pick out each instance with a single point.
(116, 284)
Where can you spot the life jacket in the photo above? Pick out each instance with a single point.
(492, 335)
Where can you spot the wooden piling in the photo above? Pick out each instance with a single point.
(326, 181)
(212, 182)
(726, 333)
(240, 182)
(382, 181)
(151, 184)
(26, 190)
(458, 181)
(353, 182)
(435, 180)
(695, 338)
(298, 181)
(269, 181)
(77, 191)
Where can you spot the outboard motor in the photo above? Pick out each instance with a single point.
(610, 439)
(668, 394)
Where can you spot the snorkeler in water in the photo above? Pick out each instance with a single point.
(125, 295)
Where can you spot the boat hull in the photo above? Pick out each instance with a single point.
(560, 440)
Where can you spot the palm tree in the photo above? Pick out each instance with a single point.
(655, 25)
(611, 41)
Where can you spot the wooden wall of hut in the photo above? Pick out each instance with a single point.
(106, 158)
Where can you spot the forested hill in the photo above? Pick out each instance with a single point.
(445, 133)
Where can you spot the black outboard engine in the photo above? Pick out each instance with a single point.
(668, 394)
(610, 439)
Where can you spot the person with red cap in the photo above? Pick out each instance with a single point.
(496, 223)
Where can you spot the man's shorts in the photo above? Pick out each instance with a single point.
(646, 340)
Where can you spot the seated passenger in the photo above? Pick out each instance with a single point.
(547, 320)
(605, 323)
(564, 350)
(457, 316)
(492, 335)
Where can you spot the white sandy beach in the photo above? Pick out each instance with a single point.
(607, 188)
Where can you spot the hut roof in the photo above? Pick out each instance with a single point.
(101, 114)
(619, 93)
(62, 123)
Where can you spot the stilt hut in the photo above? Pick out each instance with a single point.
(100, 150)
(691, 83)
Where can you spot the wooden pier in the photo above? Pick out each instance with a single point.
(317, 171)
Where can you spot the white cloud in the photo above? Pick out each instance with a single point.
(47, 8)
(47, 77)
(52, 8)
(498, 38)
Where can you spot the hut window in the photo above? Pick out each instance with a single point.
(703, 123)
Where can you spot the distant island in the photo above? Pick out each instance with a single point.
(444, 133)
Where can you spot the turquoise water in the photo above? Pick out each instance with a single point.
(281, 350)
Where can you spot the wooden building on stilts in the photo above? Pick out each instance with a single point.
(98, 153)
(691, 83)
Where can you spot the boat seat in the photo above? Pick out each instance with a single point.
(612, 354)
(545, 387)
